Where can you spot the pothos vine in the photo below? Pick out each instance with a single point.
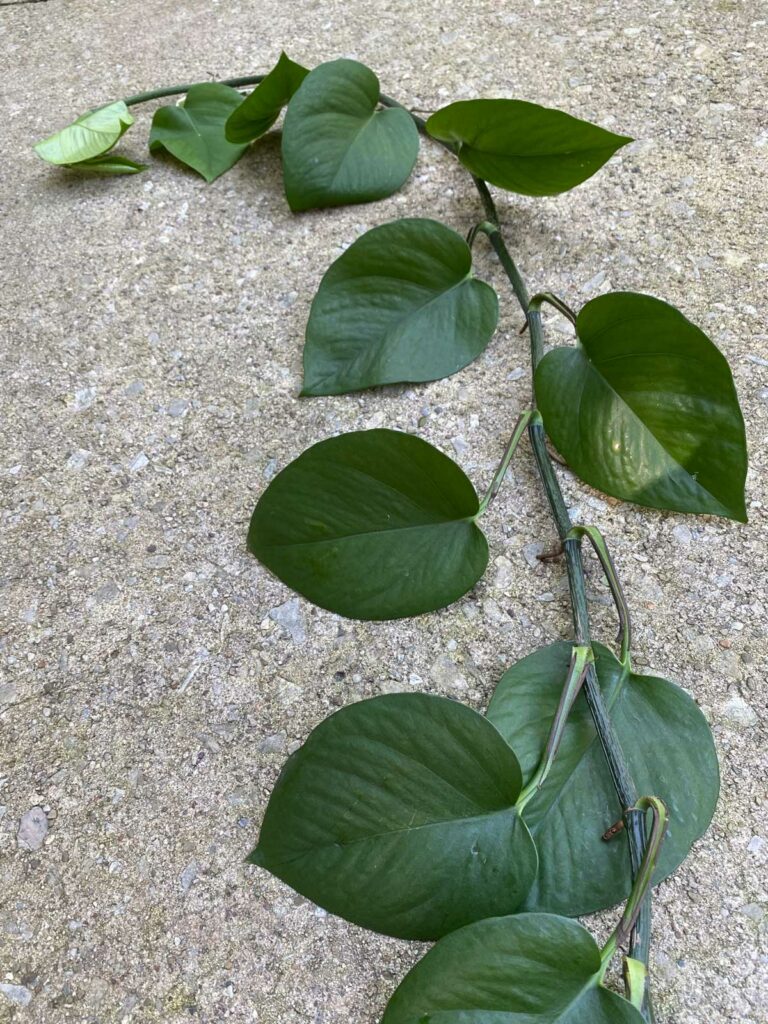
(408, 813)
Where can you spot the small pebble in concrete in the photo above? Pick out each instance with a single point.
(17, 994)
(273, 744)
(531, 554)
(737, 712)
(78, 460)
(446, 674)
(754, 911)
(84, 398)
(188, 875)
(178, 407)
(7, 693)
(289, 616)
(33, 828)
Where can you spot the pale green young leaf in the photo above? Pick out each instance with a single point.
(91, 135)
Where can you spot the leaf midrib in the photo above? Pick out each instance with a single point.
(343, 845)
(386, 339)
(552, 154)
(367, 533)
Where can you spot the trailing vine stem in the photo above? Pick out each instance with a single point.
(178, 90)
(639, 940)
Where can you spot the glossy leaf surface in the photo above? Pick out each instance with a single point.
(374, 524)
(398, 814)
(525, 969)
(193, 131)
(668, 747)
(91, 135)
(523, 147)
(399, 305)
(645, 409)
(337, 147)
(261, 108)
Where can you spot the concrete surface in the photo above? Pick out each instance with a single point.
(154, 676)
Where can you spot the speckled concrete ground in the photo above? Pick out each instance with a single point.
(154, 676)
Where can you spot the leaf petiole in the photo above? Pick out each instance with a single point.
(538, 300)
(498, 477)
(581, 658)
(597, 541)
(643, 878)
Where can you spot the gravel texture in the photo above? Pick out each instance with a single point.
(153, 677)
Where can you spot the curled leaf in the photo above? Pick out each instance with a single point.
(193, 131)
(91, 135)
(261, 108)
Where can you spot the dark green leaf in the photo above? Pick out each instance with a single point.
(527, 969)
(399, 305)
(523, 147)
(644, 408)
(374, 524)
(193, 131)
(91, 135)
(670, 753)
(337, 148)
(398, 814)
(109, 163)
(259, 111)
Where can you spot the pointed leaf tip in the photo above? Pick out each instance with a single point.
(523, 147)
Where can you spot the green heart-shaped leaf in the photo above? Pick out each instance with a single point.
(668, 747)
(337, 147)
(374, 524)
(644, 408)
(523, 147)
(399, 305)
(193, 131)
(527, 969)
(259, 110)
(398, 814)
(91, 135)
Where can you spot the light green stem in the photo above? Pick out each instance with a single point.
(596, 539)
(581, 658)
(643, 878)
(498, 477)
(552, 300)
